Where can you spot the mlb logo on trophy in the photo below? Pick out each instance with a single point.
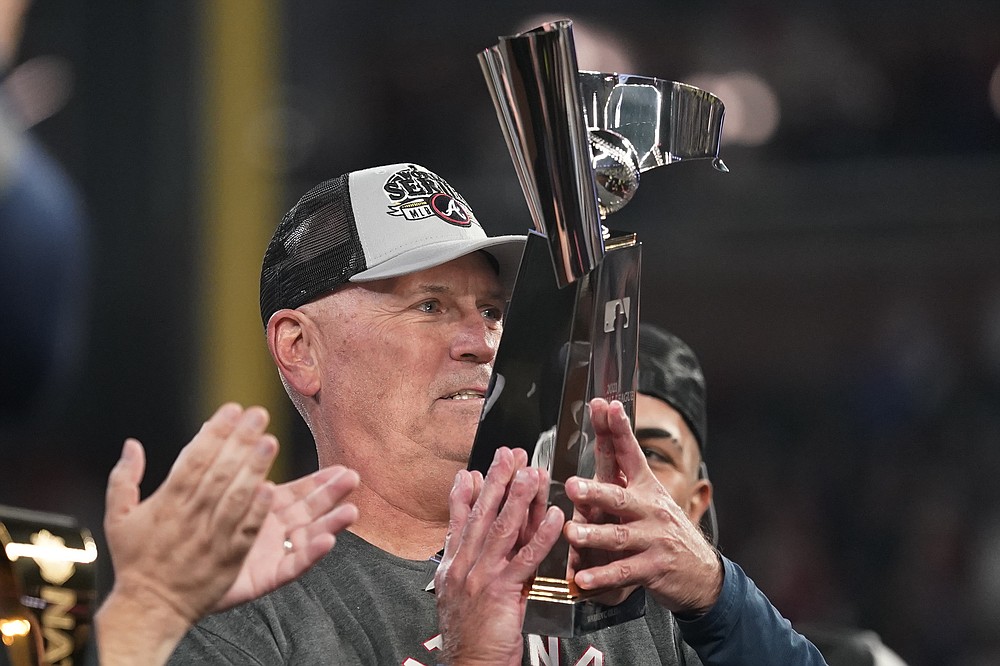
(612, 309)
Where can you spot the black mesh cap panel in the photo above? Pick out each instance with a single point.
(314, 249)
(669, 370)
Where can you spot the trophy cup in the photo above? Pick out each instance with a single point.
(579, 141)
(47, 588)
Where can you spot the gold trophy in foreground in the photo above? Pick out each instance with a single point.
(579, 141)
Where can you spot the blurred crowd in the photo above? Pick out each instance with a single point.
(874, 503)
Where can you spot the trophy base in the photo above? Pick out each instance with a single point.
(558, 608)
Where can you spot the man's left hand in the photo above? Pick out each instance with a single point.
(653, 544)
(306, 513)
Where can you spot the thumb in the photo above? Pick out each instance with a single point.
(123, 482)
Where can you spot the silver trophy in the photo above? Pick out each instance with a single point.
(579, 142)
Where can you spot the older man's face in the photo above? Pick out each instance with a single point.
(408, 359)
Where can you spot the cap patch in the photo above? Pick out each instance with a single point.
(417, 194)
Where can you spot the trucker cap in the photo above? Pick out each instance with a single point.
(373, 224)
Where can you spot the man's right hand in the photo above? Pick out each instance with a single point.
(499, 531)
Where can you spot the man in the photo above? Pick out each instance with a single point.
(382, 300)
(670, 424)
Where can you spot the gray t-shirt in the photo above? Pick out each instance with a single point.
(361, 605)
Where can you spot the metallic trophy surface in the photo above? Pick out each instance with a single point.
(579, 141)
(47, 587)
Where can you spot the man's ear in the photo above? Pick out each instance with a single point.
(701, 497)
(293, 340)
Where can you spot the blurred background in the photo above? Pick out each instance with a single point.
(841, 285)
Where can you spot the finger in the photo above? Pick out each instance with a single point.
(587, 513)
(615, 537)
(239, 496)
(318, 497)
(523, 565)
(477, 484)
(123, 481)
(323, 529)
(253, 518)
(487, 506)
(520, 459)
(605, 465)
(197, 456)
(605, 497)
(628, 453)
(243, 448)
(622, 572)
(599, 416)
(324, 513)
(538, 507)
(459, 506)
(338, 486)
(504, 531)
(337, 520)
(288, 493)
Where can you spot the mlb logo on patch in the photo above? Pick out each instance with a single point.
(417, 194)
